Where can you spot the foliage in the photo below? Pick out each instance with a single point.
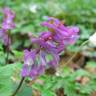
(70, 85)
(74, 12)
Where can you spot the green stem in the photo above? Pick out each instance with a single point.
(7, 54)
(7, 51)
(19, 86)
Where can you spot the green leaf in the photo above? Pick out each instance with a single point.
(91, 64)
(24, 91)
(5, 79)
(47, 93)
(17, 53)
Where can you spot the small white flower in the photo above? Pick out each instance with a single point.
(57, 74)
(33, 8)
(92, 39)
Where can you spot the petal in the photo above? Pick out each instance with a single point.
(42, 58)
(25, 70)
(2, 33)
(54, 62)
(29, 61)
(9, 15)
(45, 35)
(60, 47)
(6, 40)
(33, 73)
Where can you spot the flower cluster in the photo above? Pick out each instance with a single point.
(7, 25)
(50, 43)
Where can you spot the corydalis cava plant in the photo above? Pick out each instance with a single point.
(7, 25)
(51, 42)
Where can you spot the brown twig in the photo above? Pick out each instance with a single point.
(76, 53)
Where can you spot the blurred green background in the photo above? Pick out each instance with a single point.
(29, 15)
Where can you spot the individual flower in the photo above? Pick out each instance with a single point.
(33, 8)
(7, 23)
(38, 67)
(4, 37)
(45, 35)
(31, 66)
(92, 39)
(61, 33)
(29, 58)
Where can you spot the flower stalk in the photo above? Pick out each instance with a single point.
(19, 86)
(7, 51)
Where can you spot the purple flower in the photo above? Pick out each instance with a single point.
(8, 23)
(48, 44)
(29, 58)
(34, 64)
(4, 37)
(35, 61)
(61, 33)
(45, 35)
(48, 47)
